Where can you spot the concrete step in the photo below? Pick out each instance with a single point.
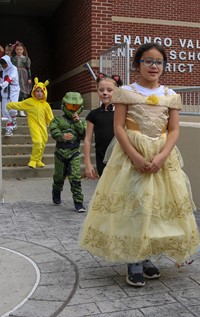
(21, 129)
(22, 160)
(21, 139)
(23, 172)
(16, 152)
(22, 149)
(20, 121)
(26, 172)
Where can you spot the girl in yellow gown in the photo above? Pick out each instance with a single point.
(142, 205)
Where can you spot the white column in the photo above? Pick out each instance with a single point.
(1, 180)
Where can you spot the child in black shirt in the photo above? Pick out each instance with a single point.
(100, 122)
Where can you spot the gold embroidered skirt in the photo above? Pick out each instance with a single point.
(134, 215)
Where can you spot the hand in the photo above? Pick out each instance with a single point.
(90, 172)
(29, 81)
(156, 164)
(68, 136)
(75, 117)
(141, 164)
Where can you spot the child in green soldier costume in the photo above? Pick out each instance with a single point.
(68, 130)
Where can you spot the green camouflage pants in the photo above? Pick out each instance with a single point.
(68, 167)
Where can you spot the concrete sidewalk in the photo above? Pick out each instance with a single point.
(45, 274)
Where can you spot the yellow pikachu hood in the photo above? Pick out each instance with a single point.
(40, 85)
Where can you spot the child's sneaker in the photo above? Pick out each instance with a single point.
(9, 130)
(149, 269)
(135, 275)
(79, 207)
(14, 123)
(22, 114)
(14, 126)
(56, 197)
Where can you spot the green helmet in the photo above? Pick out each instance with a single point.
(74, 103)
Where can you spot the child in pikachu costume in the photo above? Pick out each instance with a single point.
(39, 116)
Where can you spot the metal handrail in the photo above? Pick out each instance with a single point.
(116, 60)
(190, 99)
(190, 88)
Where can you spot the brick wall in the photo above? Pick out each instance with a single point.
(82, 29)
(182, 10)
(101, 26)
(78, 38)
(71, 36)
(98, 30)
(184, 39)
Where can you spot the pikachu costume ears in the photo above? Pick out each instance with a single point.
(40, 85)
(36, 81)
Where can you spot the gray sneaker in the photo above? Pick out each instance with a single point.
(135, 275)
(9, 131)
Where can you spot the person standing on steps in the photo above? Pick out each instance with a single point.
(1, 54)
(39, 116)
(9, 48)
(21, 60)
(142, 205)
(9, 84)
(68, 130)
(2, 51)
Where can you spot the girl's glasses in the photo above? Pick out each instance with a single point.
(148, 62)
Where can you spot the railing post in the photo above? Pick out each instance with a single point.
(1, 179)
(87, 65)
(190, 99)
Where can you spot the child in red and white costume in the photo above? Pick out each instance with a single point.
(10, 88)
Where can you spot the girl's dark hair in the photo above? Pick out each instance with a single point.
(116, 78)
(145, 47)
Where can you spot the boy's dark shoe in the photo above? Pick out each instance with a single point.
(79, 207)
(56, 197)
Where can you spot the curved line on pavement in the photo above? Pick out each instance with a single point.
(34, 287)
(75, 286)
